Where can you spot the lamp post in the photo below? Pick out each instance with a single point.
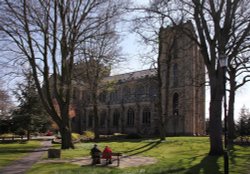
(223, 65)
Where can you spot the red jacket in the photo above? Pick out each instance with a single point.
(107, 153)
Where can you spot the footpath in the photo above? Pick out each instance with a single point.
(22, 165)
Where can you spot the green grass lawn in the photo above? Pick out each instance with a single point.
(176, 155)
(13, 151)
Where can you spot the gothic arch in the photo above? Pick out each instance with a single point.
(176, 104)
(116, 118)
(130, 117)
(146, 116)
(175, 75)
(103, 117)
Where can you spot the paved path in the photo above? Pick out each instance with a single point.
(125, 161)
(25, 163)
(22, 165)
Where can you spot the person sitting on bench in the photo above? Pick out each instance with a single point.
(107, 154)
(96, 155)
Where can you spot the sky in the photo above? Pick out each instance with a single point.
(131, 49)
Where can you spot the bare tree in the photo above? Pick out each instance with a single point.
(238, 75)
(97, 55)
(222, 28)
(46, 34)
(149, 25)
(5, 103)
(161, 28)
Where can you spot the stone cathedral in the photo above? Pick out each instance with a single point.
(132, 106)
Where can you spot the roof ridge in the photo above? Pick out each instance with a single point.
(131, 75)
(150, 69)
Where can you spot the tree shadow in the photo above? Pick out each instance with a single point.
(232, 155)
(120, 138)
(208, 165)
(235, 154)
(142, 149)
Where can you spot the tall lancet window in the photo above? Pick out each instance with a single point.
(116, 117)
(176, 104)
(146, 116)
(130, 117)
(175, 75)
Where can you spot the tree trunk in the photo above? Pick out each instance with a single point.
(28, 134)
(231, 124)
(96, 118)
(66, 138)
(161, 121)
(215, 123)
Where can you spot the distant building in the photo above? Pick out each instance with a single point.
(131, 105)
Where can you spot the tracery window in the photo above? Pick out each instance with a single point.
(176, 104)
(102, 97)
(153, 90)
(116, 117)
(130, 117)
(126, 92)
(139, 91)
(175, 75)
(114, 96)
(103, 116)
(146, 116)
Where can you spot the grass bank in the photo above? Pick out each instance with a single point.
(179, 155)
(13, 151)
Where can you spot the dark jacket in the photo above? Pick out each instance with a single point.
(95, 152)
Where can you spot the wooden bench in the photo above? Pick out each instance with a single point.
(118, 155)
(114, 154)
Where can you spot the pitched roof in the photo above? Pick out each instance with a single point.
(132, 75)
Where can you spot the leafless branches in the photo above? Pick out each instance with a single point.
(46, 35)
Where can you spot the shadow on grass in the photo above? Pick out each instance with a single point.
(7, 151)
(21, 149)
(208, 165)
(142, 149)
(236, 155)
(120, 138)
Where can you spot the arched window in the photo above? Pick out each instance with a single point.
(175, 49)
(126, 92)
(116, 117)
(146, 116)
(103, 116)
(139, 90)
(102, 97)
(153, 90)
(114, 96)
(176, 104)
(130, 117)
(175, 75)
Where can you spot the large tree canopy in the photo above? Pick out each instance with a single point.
(47, 35)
